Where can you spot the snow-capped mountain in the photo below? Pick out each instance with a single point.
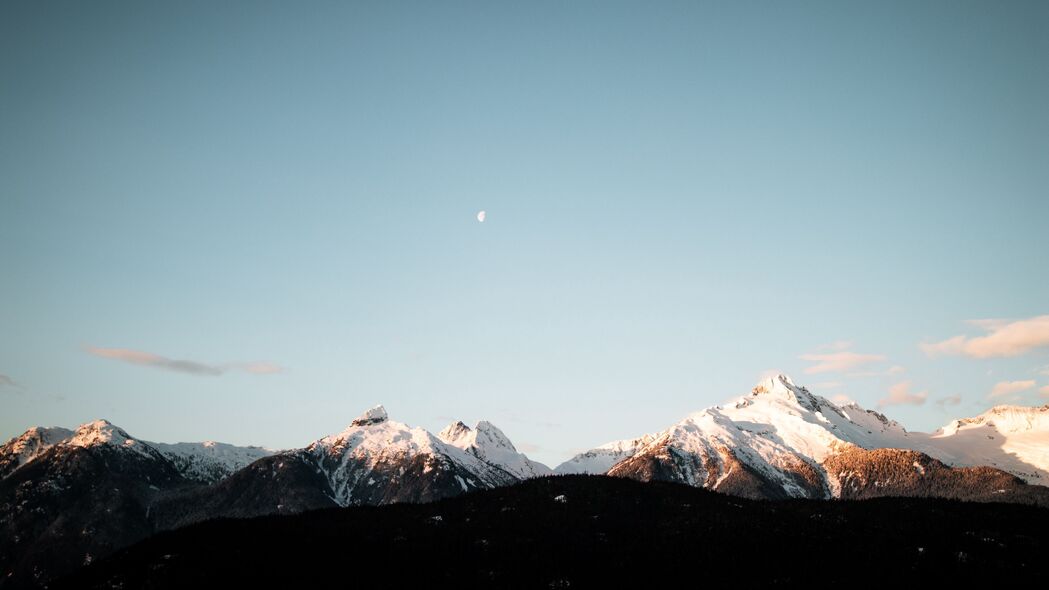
(210, 461)
(24, 448)
(374, 460)
(486, 442)
(601, 459)
(783, 441)
(1011, 438)
(206, 462)
(81, 495)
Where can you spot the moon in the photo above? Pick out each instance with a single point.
(480, 216)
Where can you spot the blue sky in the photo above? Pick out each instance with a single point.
(680, 197)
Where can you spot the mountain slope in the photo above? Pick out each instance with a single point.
(80, 498)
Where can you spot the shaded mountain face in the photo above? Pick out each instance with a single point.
(80, 498)
(593, 531)
(781, 441)
(67, 497)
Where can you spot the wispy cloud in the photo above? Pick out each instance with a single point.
(1003, 388)
(827, 385)
(1043, 391)
(950, 400)
(900, 394)
(838, 362)
(148, 359)
(1005, 338)
(527, 447)
(6, 381)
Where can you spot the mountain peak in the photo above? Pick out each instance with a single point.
(376, 415)
(453, 432)
(100, 431)
(489, 434)
(779, 383)
(782, 386)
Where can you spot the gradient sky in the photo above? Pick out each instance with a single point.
(251, 221)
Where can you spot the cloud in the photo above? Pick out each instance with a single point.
(258, 368)
(1044, 391)
(1005, 338)
(842, 400)
(900, 394)
(950, 400)
(527, 447)
(6, 381)
(1003, 388)
(827, 385)
(895, 370)
(839, 362)
(148, 359)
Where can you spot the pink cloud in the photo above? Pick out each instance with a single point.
(839, 362)
(842, 400)
(900, 394)
(1003, 388)
(1005, 338)
(1043, 391)
(148, 359)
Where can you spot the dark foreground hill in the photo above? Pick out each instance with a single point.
(579, 531)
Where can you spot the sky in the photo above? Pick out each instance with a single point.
(251, 221)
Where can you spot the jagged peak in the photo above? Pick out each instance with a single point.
(454, 431)
(781, 385)
(493, 434)
(376, 415)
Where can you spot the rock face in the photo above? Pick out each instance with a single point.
(781, 441)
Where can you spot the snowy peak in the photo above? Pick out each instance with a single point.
(486, 442)
(782, 387)
(454, 432)
(104, 432)
(24, 448)
(487, 435)
(1005, 419)
(376, 415)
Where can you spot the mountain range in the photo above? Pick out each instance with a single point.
(68, 497)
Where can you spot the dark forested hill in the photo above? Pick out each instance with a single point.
(578, 531)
